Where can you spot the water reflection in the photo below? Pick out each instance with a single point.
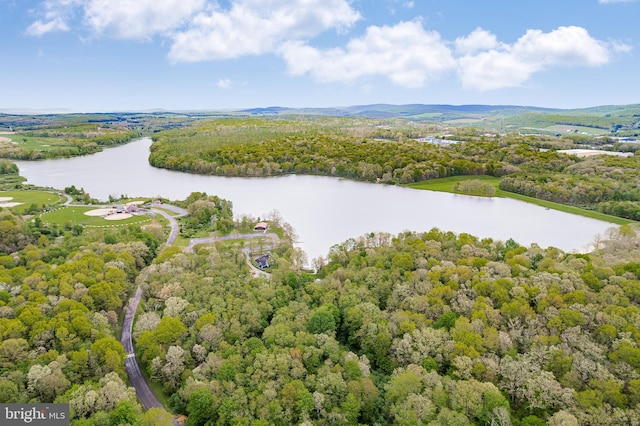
(323, 210)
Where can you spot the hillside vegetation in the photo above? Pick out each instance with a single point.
(420, 328)
(61, 296)
(35, 137)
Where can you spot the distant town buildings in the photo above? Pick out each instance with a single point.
(436, 141)
(626, 140)
(591, 152)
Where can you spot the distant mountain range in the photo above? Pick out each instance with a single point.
(397, 111)
(621, 120)
(607, 120)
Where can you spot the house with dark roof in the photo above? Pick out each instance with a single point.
(263, 261)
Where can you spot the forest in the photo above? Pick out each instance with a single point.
(36, 137)
(424, 328)
(417, 328)
(61, 296)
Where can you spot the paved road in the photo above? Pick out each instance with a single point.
(195, 241)
(180, 211)
(172, 222)
(67, 196)
(256, 272)
(136, 379)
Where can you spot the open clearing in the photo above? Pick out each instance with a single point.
(7, 203)
(25, 199)
(99, 212)
(447, 184)
(76, 215)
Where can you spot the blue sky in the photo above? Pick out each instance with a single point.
(107, 55)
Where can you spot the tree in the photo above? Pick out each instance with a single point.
(173, 367)
(12, 351)
(402, 385)
(157, 417)
(563, 418)
(321, 321)
(200, 408)
(109, 355)
(124, 413)
(9, 392)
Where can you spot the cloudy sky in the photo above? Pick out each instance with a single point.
(101, 55)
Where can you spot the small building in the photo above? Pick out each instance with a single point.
(261, 226)
(263, 261)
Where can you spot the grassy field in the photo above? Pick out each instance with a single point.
(447, 184)
(39, 143)
(74, 215)
(27, 198)
(589, 130)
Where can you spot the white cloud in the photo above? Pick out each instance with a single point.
(479, 39)
(54, 16)
(139, 19)
(225, 83)
(615, 1)
(40, 27)
(405, 53)
(125, 19)
(253, 27)
(511, 65)
(410, 56)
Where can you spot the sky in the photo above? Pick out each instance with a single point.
(140, 55)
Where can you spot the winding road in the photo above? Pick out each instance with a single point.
(136, 379)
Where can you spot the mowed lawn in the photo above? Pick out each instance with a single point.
(27, 198)
(447, 184)
(38, 143)
(74, 215)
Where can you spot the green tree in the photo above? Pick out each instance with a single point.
(124, 413)
(200, 408)
(321, 321)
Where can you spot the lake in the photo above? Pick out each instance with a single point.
(323, 210)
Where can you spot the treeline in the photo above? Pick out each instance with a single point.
(54, 147)
(475, 187)
(8, 168)
(607, 184)
(419, 328)
(61, 297)
(9, 177)
(344, 156)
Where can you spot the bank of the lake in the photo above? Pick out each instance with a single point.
(448, 185)
(323, 210)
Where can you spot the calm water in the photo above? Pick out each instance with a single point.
(323, 210)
